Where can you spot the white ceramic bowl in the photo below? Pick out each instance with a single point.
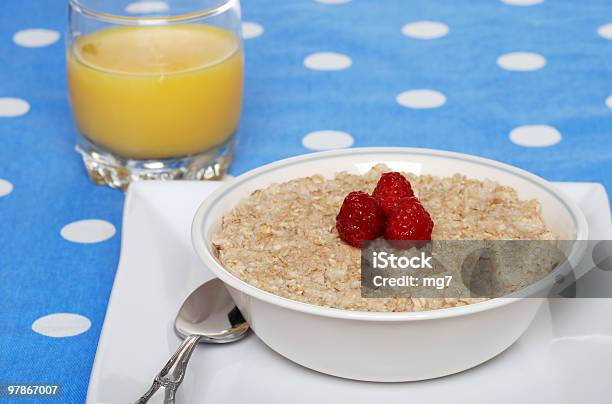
(373, 346)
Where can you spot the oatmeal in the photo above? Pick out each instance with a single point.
(283, 239)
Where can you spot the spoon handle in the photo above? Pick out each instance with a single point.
(172, 374)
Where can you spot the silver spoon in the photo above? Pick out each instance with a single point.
(207, 315)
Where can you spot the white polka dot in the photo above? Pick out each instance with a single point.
(333, 1)
(144, 7)
(251, 30)
(605, 31)
(522, 2)
(327, 140)
(535, 136)
(609, 102)
(88, 231)
(521, 61)
(327, 61)
(5, 187)
(11, 107)
(35, 38)
(425, 29)
(61, 325)
(420, 99)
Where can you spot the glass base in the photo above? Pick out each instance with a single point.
(105, 169)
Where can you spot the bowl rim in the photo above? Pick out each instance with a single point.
(200, 244)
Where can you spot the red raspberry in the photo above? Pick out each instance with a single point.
(390, 190)
(409, 221)
(360, 218)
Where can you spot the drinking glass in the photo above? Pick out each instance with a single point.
(155, 87)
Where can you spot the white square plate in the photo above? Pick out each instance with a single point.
(564, 357)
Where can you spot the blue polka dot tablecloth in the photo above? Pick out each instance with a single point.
(527, 82)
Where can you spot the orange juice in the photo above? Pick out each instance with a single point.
(156, 92)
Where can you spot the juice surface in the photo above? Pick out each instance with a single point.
(156, 92)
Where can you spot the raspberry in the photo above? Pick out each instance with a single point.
(409, 221)
(390, 190)
(360, 218)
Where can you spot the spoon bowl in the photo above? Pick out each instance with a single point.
(207, 315)
(210, 312)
